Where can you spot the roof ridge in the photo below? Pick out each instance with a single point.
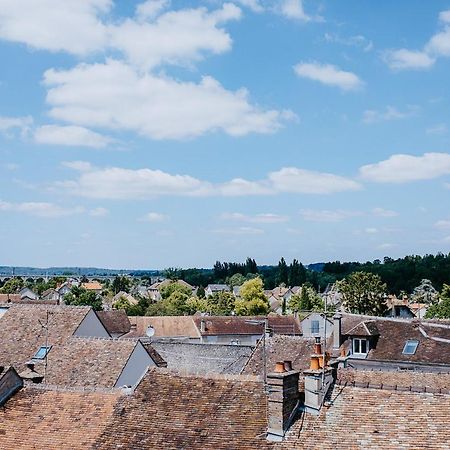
(208, 376)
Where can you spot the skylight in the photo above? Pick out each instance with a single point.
(42, 352)
(410, 347)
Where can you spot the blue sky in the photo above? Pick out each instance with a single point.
(174, 133)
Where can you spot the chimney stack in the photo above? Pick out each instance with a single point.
(337, 331)
(202, 326)
(283, 400)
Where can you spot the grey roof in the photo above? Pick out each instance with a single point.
(199, 358)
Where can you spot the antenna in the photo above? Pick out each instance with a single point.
(150, 331)
(45, 327)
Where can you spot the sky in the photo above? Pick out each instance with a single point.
(158, 133)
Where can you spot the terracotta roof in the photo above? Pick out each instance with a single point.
(360, 418)
(115, 321)
(171, 411)
(21, 331)
(365, 328)
(164, 326)
(54, 419)
(280, 348)
(10, 298)
(239, 325)
(92, 286)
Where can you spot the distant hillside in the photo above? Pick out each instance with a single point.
(71, 271)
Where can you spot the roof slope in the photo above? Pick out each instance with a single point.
(164, 326)
(115, 321)
(206, 413)
(361, 418)
(22, 333)
(54, 419)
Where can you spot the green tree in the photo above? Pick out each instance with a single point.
(297, 273)
(363, 293)
(283, 272)
(221, 303)
(306, 299)
(253, 300)
(425, 292)
(201, 292)
(12, 286)
(236, 280)
(81, 297)
(121, 283)
(169, 289)
(440, 310)
(196, 304)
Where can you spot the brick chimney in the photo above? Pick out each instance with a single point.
(337, 331)
(10, 383)
(283, 399)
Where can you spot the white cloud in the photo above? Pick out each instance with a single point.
(150, 9)
(11, 124)
(325, 215)
(292, 179)
(381, 212)
(254, 5)
(405, 168)
(439, 44)
(386, 246)
(442, 224)
(113, 95)
(402, 59)
(239, 231)
(99, 212)
(175, 37)
(293, 9)
(371, 230)
(154, 217)
(120, 183)
(257, 218)
(40, 209)
(72, 26)
(359, 41)
(70, 135)
(81, 166)
(329, 75)
(438, 129)
(444, 16)
(391, 113)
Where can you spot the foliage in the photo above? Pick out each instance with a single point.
(425, 292)
(196, 304)
(297, 273)
(306, 299)
(440, 310)
(201, 292)
(283, 273)
(169, 289)
(363, 293)
(12, 286)
(252, 301)
(79, 296)
(121, 283)
(236, 280)
(122, 303)
(221, 303)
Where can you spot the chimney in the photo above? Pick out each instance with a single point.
(318, 380)
(202, 326)
(10, 383)
(31, 374)
(283, 399)
(337, 331)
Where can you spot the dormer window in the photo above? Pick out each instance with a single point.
(42, 352)
(410, 347)
(360, 347)
(315, 327)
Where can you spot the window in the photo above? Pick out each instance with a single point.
(360, 346)
(315, 327)
(410, 347)
(42, 352)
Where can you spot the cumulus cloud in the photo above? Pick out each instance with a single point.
(154, 217)
(239, 231)
(120, 183)
(70, 135)
(381, 212)
(325, 215)
(40, 209)
(329, 75)
(390, 113)
(113, 95)
(99, 212)
(406, 168)
(8, 125)
(293, 9)
(257, 218)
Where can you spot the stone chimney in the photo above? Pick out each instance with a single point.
(10, 383)
(202, 326)
(337, 331)
(318, 380)
(283, 399)
(31, 374)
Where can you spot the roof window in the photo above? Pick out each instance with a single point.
(42, 352)
(410, 347)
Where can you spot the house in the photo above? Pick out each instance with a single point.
(64, 289)
(51, 294)
(392, 344)
(154, 291)
(124, 295)
(93, 286)
(115, 321)
(314, 324)
(419, 309)
(215, 288)
(198, 358)
(398, 308)
(26, 292)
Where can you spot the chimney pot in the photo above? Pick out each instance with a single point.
(314, 362)
(202, 326)
(279, 367)
(287, 366)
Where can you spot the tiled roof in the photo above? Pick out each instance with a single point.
(360, 418)
(164, 326)
(170, 411)
(10, 298)
(365, 328)
(54, 419)
(193, 357)
(92, 286)
(280, 348)
(22, 331)
(115, 321)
